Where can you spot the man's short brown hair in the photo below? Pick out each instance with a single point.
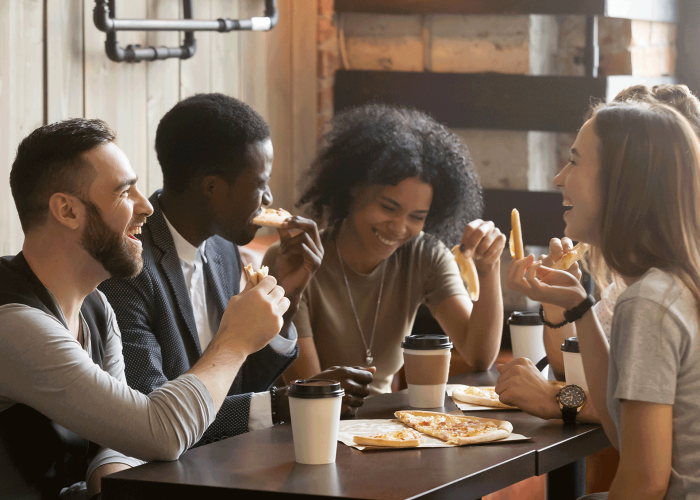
(49, 160)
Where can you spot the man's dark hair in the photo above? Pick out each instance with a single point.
(49, 160)
(206, 134)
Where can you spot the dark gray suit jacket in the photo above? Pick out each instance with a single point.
(160, 338)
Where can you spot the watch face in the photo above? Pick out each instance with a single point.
(572, 396)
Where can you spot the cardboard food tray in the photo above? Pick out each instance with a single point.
(470, 407)
(371, 427)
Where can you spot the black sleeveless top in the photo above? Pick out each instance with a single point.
(39, 457)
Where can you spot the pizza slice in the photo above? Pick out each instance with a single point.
(482, 396)
(271, 217)
(255, 276)
(468, 272)
(405, 438)
(574, 255)
(457, 430)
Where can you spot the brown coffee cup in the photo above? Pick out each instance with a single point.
(427, 365)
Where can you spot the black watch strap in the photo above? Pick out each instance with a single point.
(569, 415)
(577, 312)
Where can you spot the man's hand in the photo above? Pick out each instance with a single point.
(253, 317)
(522, 385)
(484, 242)
(354, 380)
(298, 258)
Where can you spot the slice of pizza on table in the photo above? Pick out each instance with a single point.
(405, 438)
(271, 217)
(482, 396)
(457, 430)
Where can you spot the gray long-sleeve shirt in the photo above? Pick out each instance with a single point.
(43, 366)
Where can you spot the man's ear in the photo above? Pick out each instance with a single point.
(66, 210)
(214, 187)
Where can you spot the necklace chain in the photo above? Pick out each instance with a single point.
(368, 349)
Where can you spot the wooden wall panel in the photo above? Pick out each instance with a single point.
(304, 90)
(163, 88)
(274, 72)
(195, 73)
(64, 60)
(21, 99)
(116, 92)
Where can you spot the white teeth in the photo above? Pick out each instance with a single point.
(384, 241)
(567, 203)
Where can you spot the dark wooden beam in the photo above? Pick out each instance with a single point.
(484, 100)
(649, 10)
(541, 213)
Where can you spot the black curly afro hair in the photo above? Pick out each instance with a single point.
(380, 144)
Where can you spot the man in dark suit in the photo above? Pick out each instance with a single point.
(216, 156)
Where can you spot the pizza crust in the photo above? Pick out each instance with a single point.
(271, 217)
(470, 394)
(256, 276)
(405, 438)
(502, 428)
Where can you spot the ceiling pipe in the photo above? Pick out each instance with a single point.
(104, 19)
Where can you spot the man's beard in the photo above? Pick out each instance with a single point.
(108, 247)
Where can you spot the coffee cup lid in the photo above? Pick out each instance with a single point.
(426, 342)
(524, 318)
(315, 389)
(570, 345)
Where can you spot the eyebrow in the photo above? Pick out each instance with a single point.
(575, 152)
(398, 205)
(126, 182)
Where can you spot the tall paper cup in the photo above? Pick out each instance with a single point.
(526, 332)
(427, 364)
(573, 364)
(314, 406)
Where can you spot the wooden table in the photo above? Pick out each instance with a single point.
(261, 463)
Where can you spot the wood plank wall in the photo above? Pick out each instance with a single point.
(53, 66)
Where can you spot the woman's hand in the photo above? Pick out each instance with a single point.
(543, 284)
(557, 248)
(484, 242)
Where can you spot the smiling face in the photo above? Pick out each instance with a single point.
(115, 212)
(579, 181)
(383, 218)
(234, 205)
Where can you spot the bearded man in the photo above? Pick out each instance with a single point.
(67, 414)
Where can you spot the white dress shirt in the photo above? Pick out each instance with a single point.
(206, 319)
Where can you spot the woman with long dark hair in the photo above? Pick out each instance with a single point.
(394, 190)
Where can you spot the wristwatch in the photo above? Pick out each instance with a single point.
(571, 399)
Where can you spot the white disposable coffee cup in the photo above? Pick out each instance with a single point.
(314, 407)
(427, 366)
(526, 332)
(573, 364)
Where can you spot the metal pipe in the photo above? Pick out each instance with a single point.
(104, 19)
(591, 54)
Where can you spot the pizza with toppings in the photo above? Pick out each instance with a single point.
(453, 429)
(405, 438)
(482, 396)
(271, 217)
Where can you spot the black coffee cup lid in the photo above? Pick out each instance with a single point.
(315, 389)
(570, 345)
(426, 342)
(523, 318)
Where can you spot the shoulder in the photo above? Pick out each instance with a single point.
(21, 324)
(662, 291)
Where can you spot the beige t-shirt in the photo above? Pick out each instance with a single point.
(418, 272)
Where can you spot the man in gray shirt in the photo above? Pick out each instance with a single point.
(64, 403)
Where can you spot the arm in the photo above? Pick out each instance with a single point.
(521, 384)
(306, 365)
(94, 482)
(476, 329)
(645, 454)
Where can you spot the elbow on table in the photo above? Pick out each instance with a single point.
(166, 450)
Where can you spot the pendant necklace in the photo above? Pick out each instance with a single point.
(368, 348)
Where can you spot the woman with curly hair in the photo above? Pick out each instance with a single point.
(393, 188)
